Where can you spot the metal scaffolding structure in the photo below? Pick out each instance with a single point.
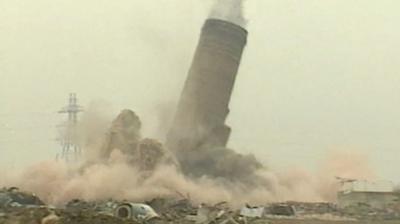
(70, 149)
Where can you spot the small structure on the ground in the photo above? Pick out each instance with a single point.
(377, 195)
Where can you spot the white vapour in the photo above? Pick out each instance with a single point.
(229, 10)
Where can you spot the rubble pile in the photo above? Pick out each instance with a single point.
(304, 208)
(13, 197)
(366, 212)
(146, 155)
(359, 211)
(221, 164)
(45, 215)
(171, 209)
(99, 207)
(26, 208)
(125, 135)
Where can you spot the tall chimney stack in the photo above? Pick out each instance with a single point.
(204, 102)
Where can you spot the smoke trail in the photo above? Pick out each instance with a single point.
(229, 10)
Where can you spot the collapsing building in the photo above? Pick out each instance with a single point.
(125, 136)
(204, 103)
(198, 136)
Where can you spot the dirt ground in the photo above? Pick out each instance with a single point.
(324, 222)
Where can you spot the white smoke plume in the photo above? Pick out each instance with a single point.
(229, 10)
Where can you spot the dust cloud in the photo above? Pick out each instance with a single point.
(116, 165)
(323, 185)
(120, 176)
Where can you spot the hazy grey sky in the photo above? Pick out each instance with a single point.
(316, 75)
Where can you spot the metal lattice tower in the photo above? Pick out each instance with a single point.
(71, 150)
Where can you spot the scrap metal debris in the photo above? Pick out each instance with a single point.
(13, 197)
(281, 210)
(100, 207)
(171, 209)
(135, 211)
(254, 212)
(31, 210)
